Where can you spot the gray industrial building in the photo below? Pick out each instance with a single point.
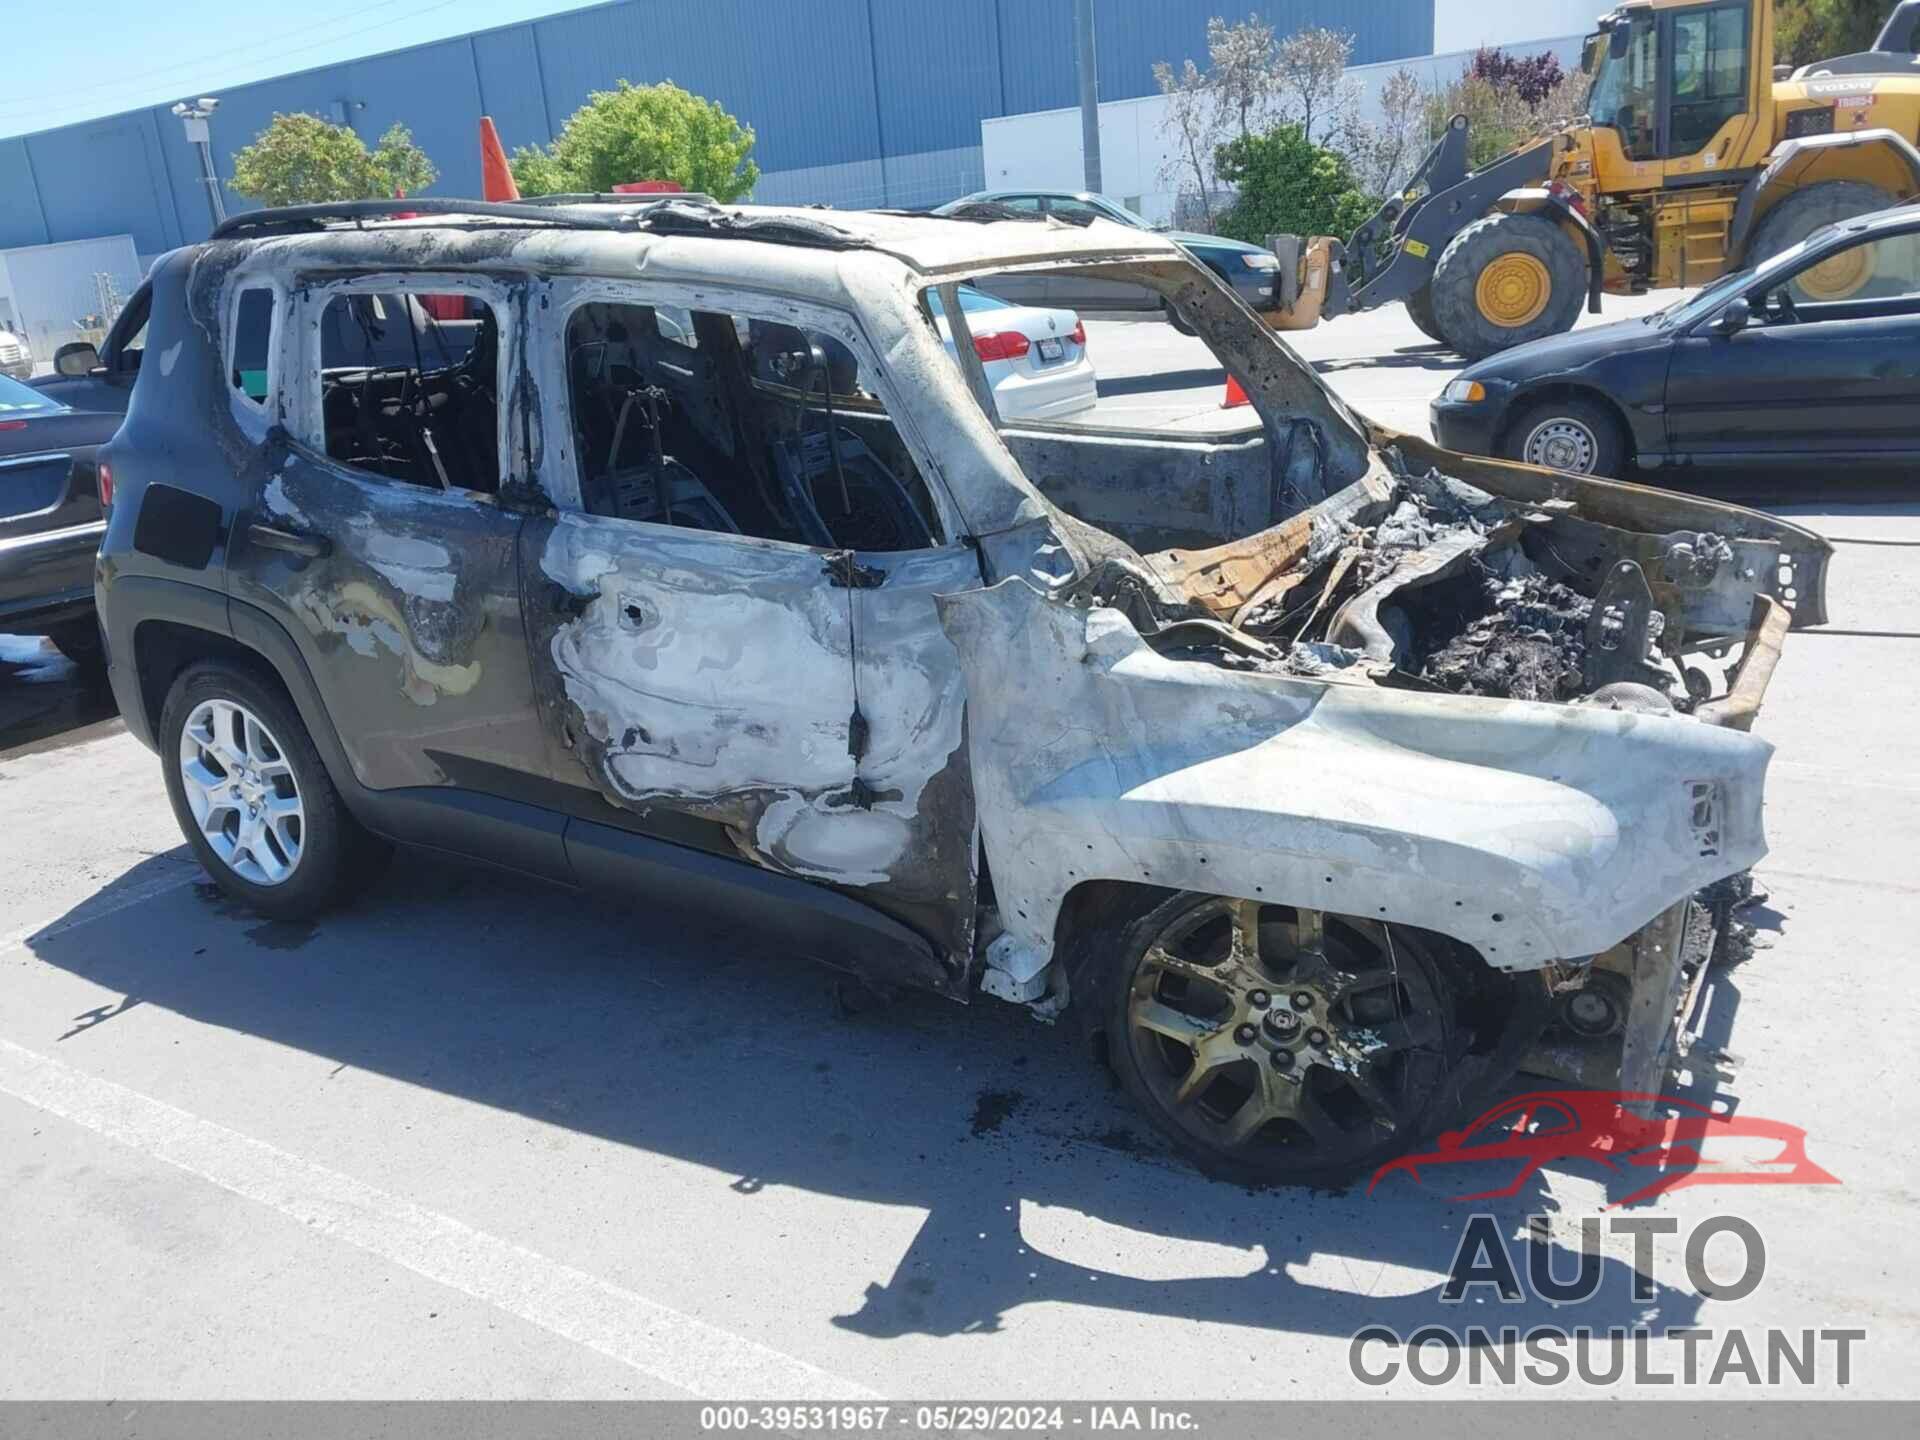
(854, 102)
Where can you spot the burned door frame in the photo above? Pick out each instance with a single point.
(878, 799)
(406, 596)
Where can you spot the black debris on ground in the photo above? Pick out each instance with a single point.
(991, 1109)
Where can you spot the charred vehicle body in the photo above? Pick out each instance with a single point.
(1315, 771)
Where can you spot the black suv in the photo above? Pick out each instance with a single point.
(669, 546)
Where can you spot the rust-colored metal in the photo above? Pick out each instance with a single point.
(1765, 638)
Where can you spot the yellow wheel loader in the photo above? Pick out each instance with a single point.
(1695, 157)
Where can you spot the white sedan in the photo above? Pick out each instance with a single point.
(1035, 359)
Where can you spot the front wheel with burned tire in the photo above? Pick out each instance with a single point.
(1505, 280)
(1275, 1045)
(253, 798)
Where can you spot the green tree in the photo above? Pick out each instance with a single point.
(1809, 30)
(304, 160)
(1287, 185)
(400, 166)
(642, 132)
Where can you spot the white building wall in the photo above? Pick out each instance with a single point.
(1041, 150)
(1469, 24)
(48, 288)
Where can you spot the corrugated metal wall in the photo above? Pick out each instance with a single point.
(855, 102)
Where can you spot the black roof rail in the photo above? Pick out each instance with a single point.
(616, 197)
(656, 214)
(293, 219)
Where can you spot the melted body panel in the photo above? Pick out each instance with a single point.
(1533, 833)
(719, 677)
(411, 621)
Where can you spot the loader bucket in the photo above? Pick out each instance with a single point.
(1306, 269)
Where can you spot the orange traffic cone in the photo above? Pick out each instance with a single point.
(496, 180)
(1236, 397)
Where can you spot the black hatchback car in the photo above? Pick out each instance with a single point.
(1813, 356)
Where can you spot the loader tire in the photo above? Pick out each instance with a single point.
(1420, 311)
(1507, 279)
(1802, 213)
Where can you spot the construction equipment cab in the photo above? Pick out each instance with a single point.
(1691, 161)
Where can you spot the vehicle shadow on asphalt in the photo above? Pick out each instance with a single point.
(45, 698)
(685, 1036)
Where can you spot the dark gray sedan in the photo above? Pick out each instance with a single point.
(50, 516)
(1811, 357)
(1246, 269)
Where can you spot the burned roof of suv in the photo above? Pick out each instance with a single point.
(925, 242)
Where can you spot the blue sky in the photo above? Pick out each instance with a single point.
(62, 62)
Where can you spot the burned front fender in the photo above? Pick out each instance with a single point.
(1533, 833)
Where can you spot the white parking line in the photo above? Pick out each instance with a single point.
(132, 895)
(689, 1354)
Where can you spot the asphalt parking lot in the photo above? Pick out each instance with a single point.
(473, 1138)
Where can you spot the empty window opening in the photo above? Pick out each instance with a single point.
(746, 427)
(252, 344)
(409, 395)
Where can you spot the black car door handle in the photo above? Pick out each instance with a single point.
(310, 546)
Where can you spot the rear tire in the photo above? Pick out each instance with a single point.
(1173, 319)
(1805, 211)
(1505, 280)
(298, 870)
(1580, 436)
(1420, 311)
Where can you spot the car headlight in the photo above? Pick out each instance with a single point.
(1466, 392)
(1262, 262)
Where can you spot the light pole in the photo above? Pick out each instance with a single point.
(1089, 93)
(194, 114)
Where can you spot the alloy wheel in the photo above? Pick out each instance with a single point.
(242, 792)
(1284, 1037)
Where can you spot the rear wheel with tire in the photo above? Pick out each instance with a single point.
(1420, 311)
(252, 796)
(1571, 433)
(1505, 280)
(1274, 1045)
(1805, 211)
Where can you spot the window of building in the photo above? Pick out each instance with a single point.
(410, 396)
(720, 422)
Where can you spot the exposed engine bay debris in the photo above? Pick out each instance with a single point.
(1422, 581)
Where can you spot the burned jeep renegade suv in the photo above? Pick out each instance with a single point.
(1320, 774)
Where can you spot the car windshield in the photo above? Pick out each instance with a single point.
(1123, 214)
(17, 399)
(972, 301)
